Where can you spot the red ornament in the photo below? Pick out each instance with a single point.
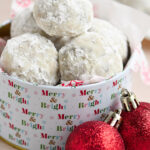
(95, 135)
(135, 128)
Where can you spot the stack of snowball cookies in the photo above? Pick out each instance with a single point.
(60, 40)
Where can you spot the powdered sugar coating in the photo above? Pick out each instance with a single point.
(86, 57)
(23, 58)
(63, 17)
(111, 37)
(24, 22)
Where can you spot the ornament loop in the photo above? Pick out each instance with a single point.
(129, 100)
(114, 119)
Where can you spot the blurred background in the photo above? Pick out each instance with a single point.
(142, 91)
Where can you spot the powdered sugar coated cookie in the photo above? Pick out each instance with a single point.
(63, 17)
(24, 22)
(31, 57)
(112, 38)
(86, 57)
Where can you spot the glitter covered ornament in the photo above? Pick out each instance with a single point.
(135, 127)
(96, 135)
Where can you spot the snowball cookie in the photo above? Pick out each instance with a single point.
(24, 22)
(63, 17)
(86, 57)
(111, 37)
(31, 57)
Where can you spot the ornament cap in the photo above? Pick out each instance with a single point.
(129, 100)
(114, 119)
